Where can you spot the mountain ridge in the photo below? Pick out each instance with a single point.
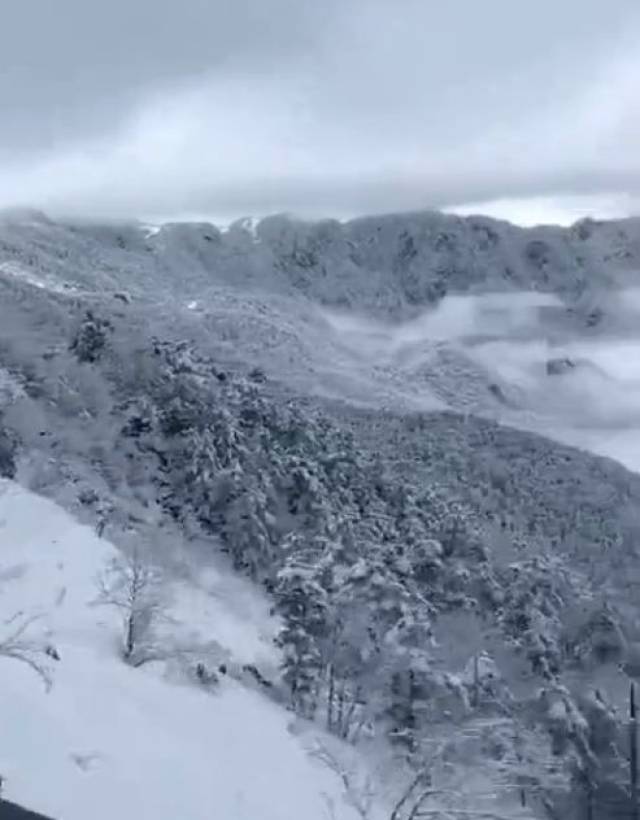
(386, 266)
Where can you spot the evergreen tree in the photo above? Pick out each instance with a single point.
(302, 603)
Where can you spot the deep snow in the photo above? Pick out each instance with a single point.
(111, 741)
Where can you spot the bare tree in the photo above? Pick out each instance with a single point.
(133, 586)
(412, 799)
(360, 791)
(346, 705)
(19, 646)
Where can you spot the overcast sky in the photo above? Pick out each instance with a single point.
(225, 108)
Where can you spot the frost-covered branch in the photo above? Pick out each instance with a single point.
(18, 646)
(407, 794)
(359, 796)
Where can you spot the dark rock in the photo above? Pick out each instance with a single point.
(137, 426)
(498, 393)
(88, 496)
(559, 366)
(257, 375)
(595, 317)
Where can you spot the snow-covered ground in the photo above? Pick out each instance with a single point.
(111, 741)
(43, 282)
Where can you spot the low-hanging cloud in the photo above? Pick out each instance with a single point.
(592, 401)
(338, 108)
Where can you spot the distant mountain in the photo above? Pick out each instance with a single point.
(387, 266)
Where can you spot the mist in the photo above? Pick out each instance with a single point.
(592, 402)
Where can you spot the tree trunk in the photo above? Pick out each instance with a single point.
(331, 698)
(633, 753)
(130, 641)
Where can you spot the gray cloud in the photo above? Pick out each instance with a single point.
(72, 67)
(335, 108)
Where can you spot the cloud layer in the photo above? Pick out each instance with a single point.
(337, 108)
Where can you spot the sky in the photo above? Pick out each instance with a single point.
(157, 109)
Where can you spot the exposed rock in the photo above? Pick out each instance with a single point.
(559, 366)
(595, 317)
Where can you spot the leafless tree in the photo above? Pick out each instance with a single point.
(132, 585)
(17, 644)
(412, 799)
(346, 707)
(359, 792)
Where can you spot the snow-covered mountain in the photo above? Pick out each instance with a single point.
(370, 420)
(394, 265)
(424, 312)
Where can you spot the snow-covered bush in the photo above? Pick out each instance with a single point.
(91, 338)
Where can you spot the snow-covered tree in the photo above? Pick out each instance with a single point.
(133, 586)
(248, 528)
(91, 338)
(7, 453)
(440, 784)
(378, 623)
(302, 603)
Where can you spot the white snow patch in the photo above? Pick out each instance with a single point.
(19, 272)
(151, 230)
(250, 225)
(247, 223)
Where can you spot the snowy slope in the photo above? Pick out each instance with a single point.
(111, 741)
(416, 312)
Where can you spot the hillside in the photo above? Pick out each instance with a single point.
(413, 312)
(350, 414)
(390, 265)
(107, 740)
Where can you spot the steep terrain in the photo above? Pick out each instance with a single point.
(383, 265)
(107, 740)
(417, 312)
(353, 414)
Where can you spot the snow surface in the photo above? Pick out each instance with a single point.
(111, 741)
(250, 225)
(20, 272)
(151, 230)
